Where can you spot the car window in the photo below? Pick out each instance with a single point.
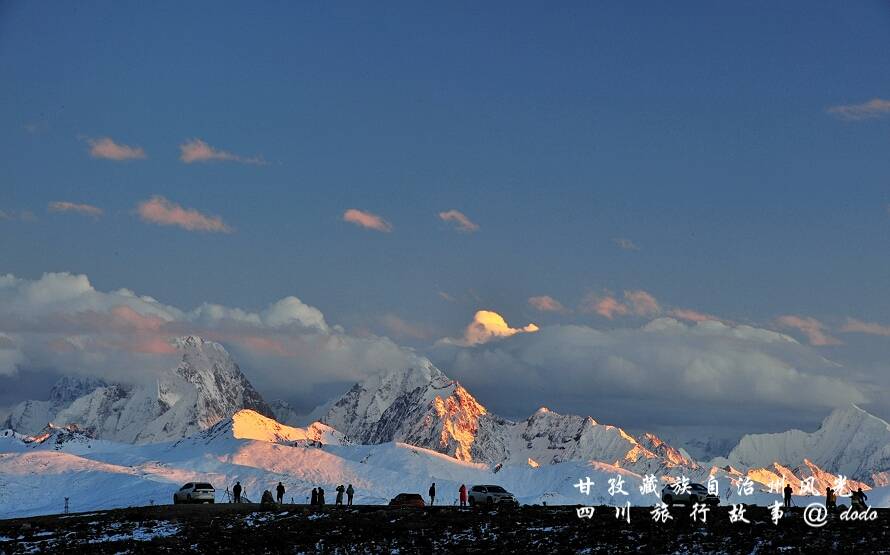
(187, 486)
(203, 485)
(496, 489)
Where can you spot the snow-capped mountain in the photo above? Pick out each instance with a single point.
(204, 388)
(423, 407)
(850, 441)
(36, 474)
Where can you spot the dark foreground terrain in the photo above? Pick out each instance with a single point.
(296, 529)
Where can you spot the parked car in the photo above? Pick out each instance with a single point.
(490, 495)
(407, 500)
(195, 492)
(697, 494)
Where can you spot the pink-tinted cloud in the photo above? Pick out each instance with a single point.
(858, 326)
(874, 108)
(463, 222)
(692, 315)
(812, 328)
(84, 209)
(642, 303)
(546, 303)
(160, 211)
(127, 317)
(264, 345)
(196, 150)
(367, 220)
(604, 305)
(107, 149)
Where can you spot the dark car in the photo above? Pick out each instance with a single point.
(407, 500)
(697, 494)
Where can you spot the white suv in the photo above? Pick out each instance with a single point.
(490, 495)
(195, 492)
(697, 494)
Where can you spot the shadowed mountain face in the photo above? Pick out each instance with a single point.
(205, 387)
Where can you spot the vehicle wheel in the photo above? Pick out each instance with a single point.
(668, 500)
(175, 500)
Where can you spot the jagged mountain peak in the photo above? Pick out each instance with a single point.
(203, 388)
(850, 441)
(424, 407)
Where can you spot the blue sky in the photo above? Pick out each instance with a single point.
(700, 132)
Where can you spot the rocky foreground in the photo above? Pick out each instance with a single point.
(370, 529)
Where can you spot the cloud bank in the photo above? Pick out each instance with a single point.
(660, 365)
(289, 349)
(60, 321)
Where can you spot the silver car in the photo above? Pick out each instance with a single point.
(697, 493)
(490, 495)
(195, 492)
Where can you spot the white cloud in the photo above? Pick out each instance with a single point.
(662, 363)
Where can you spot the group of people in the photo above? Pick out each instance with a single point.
(857, 498)
(461, 491)
(316, 499)
(237, 490)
